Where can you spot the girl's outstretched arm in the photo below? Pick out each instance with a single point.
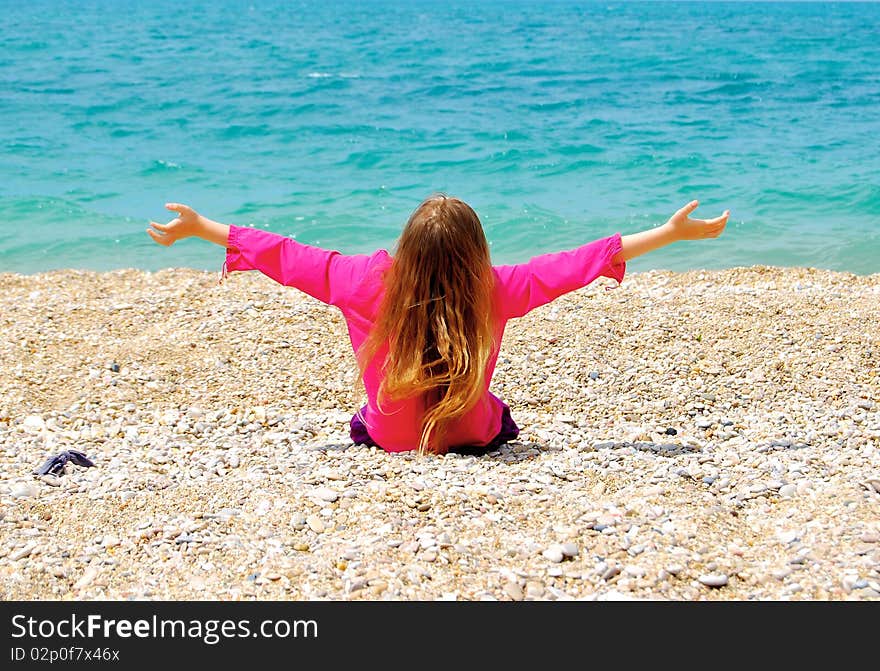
(188, 224)
(525, 286)
(324, 274)
(679, 227)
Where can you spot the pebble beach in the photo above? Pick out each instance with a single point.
(685, 436)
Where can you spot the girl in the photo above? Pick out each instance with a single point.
(426, 324)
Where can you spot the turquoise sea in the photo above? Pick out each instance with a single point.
(559, 121)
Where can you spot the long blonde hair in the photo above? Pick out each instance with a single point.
(436, 316)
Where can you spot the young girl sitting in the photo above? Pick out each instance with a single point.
(426, 324)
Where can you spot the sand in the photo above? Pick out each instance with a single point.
(700, 435)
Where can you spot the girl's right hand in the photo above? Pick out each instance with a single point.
(187, 224)
(685, 228)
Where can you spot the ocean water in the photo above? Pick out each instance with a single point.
(559, 122)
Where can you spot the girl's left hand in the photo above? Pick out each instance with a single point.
(186, 225)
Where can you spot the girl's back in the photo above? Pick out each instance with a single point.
(395, 307)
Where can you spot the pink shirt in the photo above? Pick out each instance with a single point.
(353, 284)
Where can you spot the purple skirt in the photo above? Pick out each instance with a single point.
(509, 431)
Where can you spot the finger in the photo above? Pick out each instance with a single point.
(687, 209)
(158, 237)
(717, 220)
(178, 207)
(717, 230)
(166, 227)
(711, 222)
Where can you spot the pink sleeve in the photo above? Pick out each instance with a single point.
(327, 275)
(524, 287)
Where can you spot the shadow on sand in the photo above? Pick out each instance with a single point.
(515, 451)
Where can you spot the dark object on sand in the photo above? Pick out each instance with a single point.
(670, 431)
(55, 465)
